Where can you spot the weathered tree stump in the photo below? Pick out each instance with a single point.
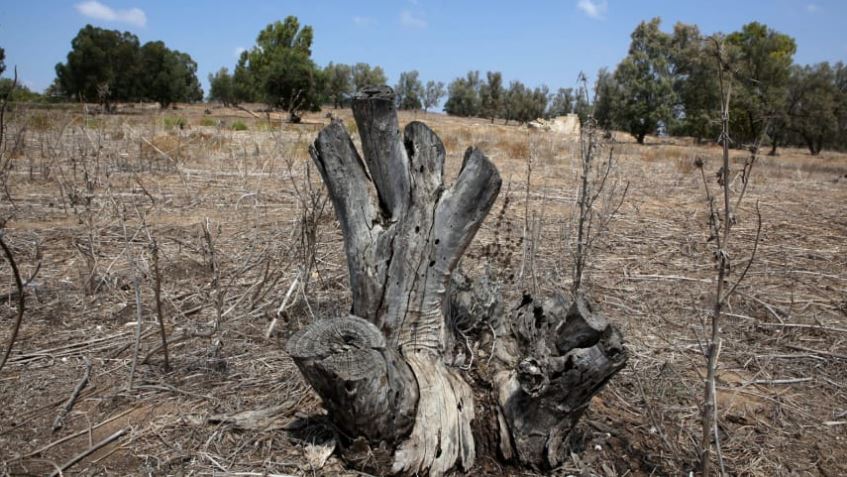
(382, 372)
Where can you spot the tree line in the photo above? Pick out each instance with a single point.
(667, 83)
(278, 70)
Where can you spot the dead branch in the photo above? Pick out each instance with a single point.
(21, 299)
(59, 422)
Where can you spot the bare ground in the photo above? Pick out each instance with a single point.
(90, 194)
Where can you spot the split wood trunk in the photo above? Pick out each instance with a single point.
(386, 373)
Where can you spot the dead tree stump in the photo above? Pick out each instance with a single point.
(381, 371)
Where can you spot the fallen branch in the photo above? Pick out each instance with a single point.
(60, 419)
(89, 451)
(781, 381)
(55, 443)
(804, 326)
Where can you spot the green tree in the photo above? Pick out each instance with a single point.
(433, 92)
(695, 82)
(646, 84)
(102, 64)
(339, 83)
(463, 96)
(409, 91)
(515, 102)
(562, 103)
(245, 85)
(523, 104)
(761, 59)
(2, 61)
(491, 95)
(606, 97)
(840, 72)
(814, 105)
(279, 69)
(168, 76)
(365, 75)
(222, 87)
(293, 82)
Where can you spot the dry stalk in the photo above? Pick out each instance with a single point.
(21, 299)
(216, 275)
(157, 290)
(720, 227)
(82, 455)
(136, 285)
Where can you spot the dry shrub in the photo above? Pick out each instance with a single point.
(451, 143)
(40, 122)
(166, 143)
(649, 154)
(515, 148)
(212, 141)
(685, 165)
(465, 135)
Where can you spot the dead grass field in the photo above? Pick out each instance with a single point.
(89, 194)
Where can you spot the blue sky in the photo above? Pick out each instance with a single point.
(537, 42)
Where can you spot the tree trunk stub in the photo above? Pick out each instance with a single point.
(385, 372)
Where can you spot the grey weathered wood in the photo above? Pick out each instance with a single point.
(385, 372)
(369, 389)
(552, 360)
(381, 371)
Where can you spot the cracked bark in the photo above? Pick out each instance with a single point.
(383, 371)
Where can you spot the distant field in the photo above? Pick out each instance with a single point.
(238, 214)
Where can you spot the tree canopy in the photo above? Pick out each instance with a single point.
(463, 95)
(167, 75)
(366, 75)
(222, 87)
(339, 83)
(409, 91)
(279, 70)
(109, 65)
(645, 83)
(433, 92)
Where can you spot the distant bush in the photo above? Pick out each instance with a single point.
(20, 93)
(175, 122)
(264, 126)
(239, 125)
(208, 122)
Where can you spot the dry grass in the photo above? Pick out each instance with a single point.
(83, 196)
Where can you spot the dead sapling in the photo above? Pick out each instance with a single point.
(720, 226)
(596, 182)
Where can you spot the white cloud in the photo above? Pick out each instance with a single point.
(593, 8)
(363, 21)
(99, 11)
(812, 8)
(239, 50)
(409, 20)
